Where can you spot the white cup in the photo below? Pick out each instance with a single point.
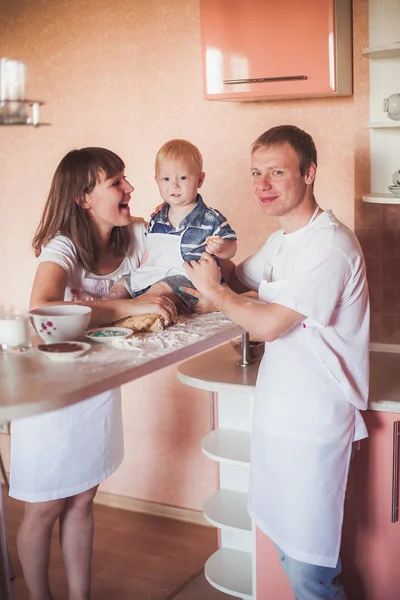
(14, 333)
(396, 177)
(391, 106)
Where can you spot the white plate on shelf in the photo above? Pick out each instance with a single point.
(107, 335)
(60, 351)
(394, 189)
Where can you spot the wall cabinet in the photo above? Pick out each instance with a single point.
(261, 50)
(371, 541)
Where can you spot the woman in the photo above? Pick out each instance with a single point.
(86, 239)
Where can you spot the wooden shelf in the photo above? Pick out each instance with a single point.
(230, 571)
(382, 124)
(381, 198)
(228, 509)
(386, 51)
(227, 445)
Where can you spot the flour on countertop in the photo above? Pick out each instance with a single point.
(141, 347)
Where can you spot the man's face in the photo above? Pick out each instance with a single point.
(277, 183)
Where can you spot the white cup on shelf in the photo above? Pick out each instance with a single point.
(396, 178)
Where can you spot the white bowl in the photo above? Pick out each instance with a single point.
(108, 335)
(61, 322)
(394, 189)
(60, 351)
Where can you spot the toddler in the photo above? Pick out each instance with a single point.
(183, 229)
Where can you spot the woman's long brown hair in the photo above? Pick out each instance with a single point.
(75, 176)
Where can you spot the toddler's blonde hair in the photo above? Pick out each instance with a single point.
(176, 149)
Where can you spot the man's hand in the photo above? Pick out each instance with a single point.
(204, 274)
(204, 305)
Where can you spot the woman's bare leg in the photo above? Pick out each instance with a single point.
(76, 540)
(33, 542)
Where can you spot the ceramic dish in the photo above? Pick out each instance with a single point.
(60, 351)
(394, 189)
(107, 335)
(60, 322)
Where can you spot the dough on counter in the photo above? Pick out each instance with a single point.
(138, 323)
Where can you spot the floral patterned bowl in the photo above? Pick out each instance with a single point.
(60, 322)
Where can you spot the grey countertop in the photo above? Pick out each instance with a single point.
(218, 370)
(31, 383)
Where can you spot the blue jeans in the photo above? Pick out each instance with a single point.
(310, 582)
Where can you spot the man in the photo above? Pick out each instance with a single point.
(313, 379)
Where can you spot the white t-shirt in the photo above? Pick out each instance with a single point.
(61, 250)
(325, 276)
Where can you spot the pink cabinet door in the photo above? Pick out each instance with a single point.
(276, 49)
(371, 542)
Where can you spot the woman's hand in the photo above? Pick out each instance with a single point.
(154, 304)
(157, 209)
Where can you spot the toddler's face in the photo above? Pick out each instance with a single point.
(178, 182)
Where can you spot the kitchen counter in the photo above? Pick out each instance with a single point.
(218, 370)
(384, 392)
(31, 383)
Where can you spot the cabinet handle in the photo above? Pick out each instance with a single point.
(395, 472)
(264, 79)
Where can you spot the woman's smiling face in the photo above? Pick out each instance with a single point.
(108, 203)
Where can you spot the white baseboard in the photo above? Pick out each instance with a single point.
(151, 508)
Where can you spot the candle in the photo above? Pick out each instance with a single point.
(12, 90)
(14, 332)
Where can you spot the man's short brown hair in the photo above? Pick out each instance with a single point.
(301, 142)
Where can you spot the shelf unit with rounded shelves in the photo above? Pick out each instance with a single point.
(382, 51)
(227, 445)
(231, 569)
(381, 80)
(381, 199)
(227, 509)
(382, 124)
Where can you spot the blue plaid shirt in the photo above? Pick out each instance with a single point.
(196, 227)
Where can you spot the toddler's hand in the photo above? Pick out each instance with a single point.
(214, 244)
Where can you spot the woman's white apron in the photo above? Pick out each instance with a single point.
(64, 452)
(301, 441)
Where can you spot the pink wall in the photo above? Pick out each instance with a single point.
(128, 76)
